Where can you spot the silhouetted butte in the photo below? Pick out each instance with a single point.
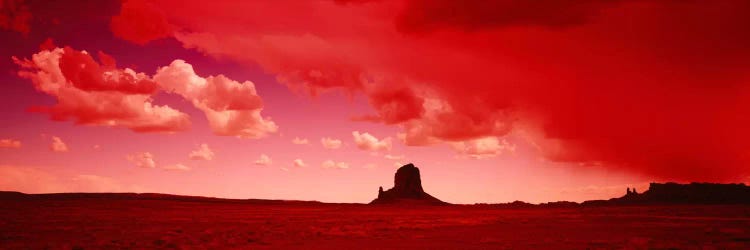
(407, 188)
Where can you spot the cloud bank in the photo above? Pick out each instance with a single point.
(621, 82)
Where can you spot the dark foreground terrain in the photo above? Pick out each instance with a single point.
(79, 223)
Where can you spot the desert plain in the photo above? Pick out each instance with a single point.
(173, 224)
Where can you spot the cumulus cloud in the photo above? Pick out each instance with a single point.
(300, 141)
(58, 145)
(142, 159)
(299, 163)
(483, 147)
(263, 160)
(10, 143)
(202, 153)
(330, 143)
(93, 94)
(366, 141)
(231, 107)
(394, 157)
(177, 167)
(333, 164)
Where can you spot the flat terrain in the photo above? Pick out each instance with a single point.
(139, 224)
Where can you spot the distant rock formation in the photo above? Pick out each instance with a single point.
(407, 188)
(674, 193)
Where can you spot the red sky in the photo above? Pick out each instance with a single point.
(494, 101)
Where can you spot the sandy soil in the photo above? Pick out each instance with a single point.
(138, 224)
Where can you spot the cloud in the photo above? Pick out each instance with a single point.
(202, 153)
(10, 143)
(58, 145)
(264, 160)
(333, 164)
(177, 167)
(442, 122)
(15, 16)
(299, 163)
(395, 105)
(370, 166)
(29, 179)
(394, 157)
(366, 141)
(146, 160)
(299, 141)
(37, 180)
(483, 147)
(93, 94)
(585, 79)
(232, 108)
(330, 143)
(142, 159)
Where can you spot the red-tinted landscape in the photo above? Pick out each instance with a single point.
(558, 124)
(667, 216)
(139, 224)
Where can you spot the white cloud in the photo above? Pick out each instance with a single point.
(104, 97)
(299, 163)
(264, 160)
(202, 153)
(300, 141)
(333, 164)
(232, 108)
(178, 167)
(142, 159)
(369, 142)
(483, 147)
(394, 157)
(58, 145)
(10, 143)
(330, 143)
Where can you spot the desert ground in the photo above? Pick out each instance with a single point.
(139, 224)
